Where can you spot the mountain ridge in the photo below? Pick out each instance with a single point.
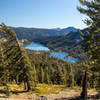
(32, 33)
(67, 30)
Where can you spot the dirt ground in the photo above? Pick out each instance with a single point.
(63, 95)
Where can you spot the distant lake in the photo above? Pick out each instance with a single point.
(36, 47)
(63, 56)
(60, 55)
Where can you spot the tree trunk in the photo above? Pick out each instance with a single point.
(28, 85)
(25, 86)
(84, 86)
(16, 79)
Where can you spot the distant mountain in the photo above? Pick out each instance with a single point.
(65, 31)
(76, 35)
(62, 39)
(57, 29)
(33, 33)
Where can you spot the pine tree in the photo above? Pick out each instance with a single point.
(59, 76)
(16, 58)
(91, 41)
(70, 80)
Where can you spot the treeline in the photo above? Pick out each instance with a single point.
(55, 71)
(51, 70)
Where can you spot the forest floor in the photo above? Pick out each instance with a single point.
(45, 92)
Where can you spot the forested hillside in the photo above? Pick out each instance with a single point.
(33, 33)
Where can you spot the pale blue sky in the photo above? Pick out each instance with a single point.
(41, 13)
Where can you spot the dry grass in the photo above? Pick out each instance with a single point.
(59, 91)
(49, 89)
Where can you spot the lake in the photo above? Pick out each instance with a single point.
(63, 56)
(60, 55)
(36, 47)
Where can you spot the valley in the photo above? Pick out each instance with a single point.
(66, 40)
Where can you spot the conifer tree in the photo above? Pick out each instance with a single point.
(16, 57)
(59, 76)
(91, 40)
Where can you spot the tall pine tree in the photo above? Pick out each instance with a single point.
(91, 41)
(16, 59)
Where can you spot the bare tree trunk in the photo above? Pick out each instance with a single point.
(25, 86)
(84, 86)
(28, 85)
(16, 79)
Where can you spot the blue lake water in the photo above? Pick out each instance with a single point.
(36, 47)
(60, 55)
(63, 56)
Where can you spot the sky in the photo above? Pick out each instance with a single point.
(41, 13)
